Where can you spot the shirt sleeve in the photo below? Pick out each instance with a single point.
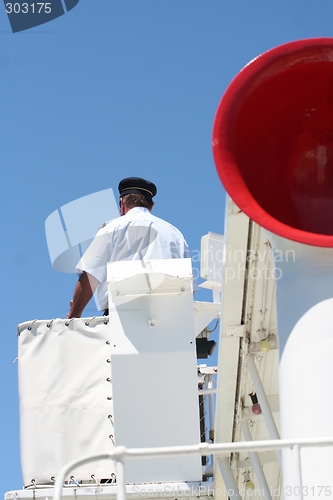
(96, 256)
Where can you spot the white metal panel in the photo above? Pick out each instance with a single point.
(249, 312)
(212, 257)
(156, 404)
(236, 237)
(63, 391)
(204, 313)
(154, 373)
(234, 273)
(131, 329)
(259, 312)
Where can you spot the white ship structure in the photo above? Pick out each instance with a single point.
(118, 406)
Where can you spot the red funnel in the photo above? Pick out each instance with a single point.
(273, 141)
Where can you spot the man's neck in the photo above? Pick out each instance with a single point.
(125, 209)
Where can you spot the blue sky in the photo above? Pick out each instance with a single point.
(115, 88)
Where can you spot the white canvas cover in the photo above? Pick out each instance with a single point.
(64, 396)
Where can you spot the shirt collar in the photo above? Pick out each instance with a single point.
(138, 209)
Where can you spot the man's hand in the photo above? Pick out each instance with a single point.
(83, 292)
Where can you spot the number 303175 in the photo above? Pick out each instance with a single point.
(311, 491)
(26, 8)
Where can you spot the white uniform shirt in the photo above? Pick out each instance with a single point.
(136, 235)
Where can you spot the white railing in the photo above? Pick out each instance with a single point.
(120, 454)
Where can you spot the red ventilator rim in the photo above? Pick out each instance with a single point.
(273, 141)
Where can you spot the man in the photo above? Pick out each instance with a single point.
(136, 234)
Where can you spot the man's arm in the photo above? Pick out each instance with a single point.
(83, 292)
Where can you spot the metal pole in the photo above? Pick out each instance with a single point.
(121, 483)
(256, 463)
(211, 407)
(266, 410)
(297, 471)
(120, 453)
(229, 479)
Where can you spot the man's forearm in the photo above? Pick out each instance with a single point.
(83, 292)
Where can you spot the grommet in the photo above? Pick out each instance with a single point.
(72, 478)
(94, 478)
(87, 323)
(31, 324)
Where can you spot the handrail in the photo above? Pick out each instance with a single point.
(120, 454)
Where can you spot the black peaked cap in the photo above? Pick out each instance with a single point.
(137, 185)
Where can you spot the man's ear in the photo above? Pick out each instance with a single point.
(122, 206)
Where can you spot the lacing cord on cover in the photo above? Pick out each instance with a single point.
(72, 483)
(28, 325)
